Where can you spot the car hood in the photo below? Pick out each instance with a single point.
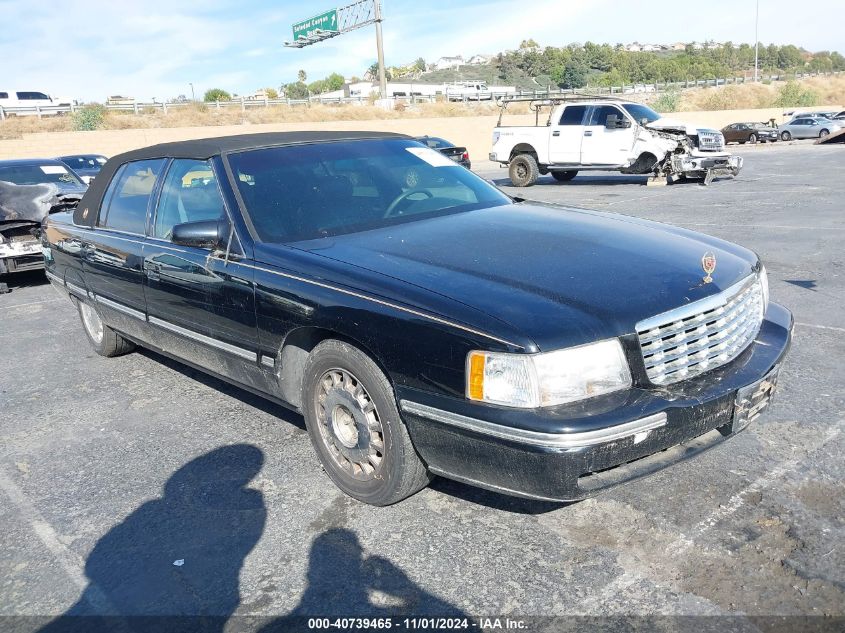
(559, 276)
(32, 203)
(667, 124)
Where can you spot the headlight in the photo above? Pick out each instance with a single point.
(764, 284)
(547, 379)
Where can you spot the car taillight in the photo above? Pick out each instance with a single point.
(465, 156)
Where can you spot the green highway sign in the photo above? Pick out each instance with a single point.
(326, 21)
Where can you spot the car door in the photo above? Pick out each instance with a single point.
(731, 133)
(566, 134)
(604, 145)
(112, 253)
(800, 128)
(201, 305)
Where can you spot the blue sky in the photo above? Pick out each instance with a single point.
(89, 49)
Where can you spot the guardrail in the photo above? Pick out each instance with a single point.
(243, 103)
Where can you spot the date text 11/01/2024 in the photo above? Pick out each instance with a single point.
(422, 623)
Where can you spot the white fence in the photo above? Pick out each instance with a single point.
(244, 104)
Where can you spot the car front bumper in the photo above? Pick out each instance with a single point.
(570, 452)
(721, 164)
(20, 256)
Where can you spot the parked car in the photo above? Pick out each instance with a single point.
(86, 166)
(439, 329)
(602, 134)
(458, 154)
(29, 190)
(749, 133)
(808, 128)
(810, 115)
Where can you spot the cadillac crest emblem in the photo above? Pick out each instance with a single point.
(708, 263)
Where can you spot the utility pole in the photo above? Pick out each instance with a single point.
(193, 98)
(756, 38)
(382, 79)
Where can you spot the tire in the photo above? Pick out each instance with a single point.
(524, 170)
(564, 176)
(752, 138)
(824, 133)
(785, 136)
(104, 340)
(351, 415)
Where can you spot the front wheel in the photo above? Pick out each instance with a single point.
(104, 340)
(524, 170)
(354, 424)
(752, 138)
(785, 136)
(563, 176)
(824, 133)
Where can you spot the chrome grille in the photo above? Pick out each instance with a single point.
(702, 335)
(711, 141)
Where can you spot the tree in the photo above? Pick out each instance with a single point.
(216, 94)
(529, 43)
(334, 81)
(301, 76)
(271, 93)
(574, 75)
(297, 90)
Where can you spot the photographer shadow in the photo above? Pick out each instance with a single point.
(345, 582)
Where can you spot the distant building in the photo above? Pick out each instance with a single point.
(650, 48)
(678, 46)
(118, 100)
(477, 60)
(634, 47)
(449, 63)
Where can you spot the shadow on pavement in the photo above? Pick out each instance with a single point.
(345, 582)
(177, 555)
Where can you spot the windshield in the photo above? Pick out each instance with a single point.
(84, 162)
(304, 192)
(434, 142)
(38, 174)
(640, 112)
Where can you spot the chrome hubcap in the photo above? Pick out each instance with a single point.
(91, 321)
(349, 424)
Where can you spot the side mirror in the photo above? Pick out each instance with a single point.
(614, 121)
(201, 234)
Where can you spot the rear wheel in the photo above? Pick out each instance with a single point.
(104, 340)
(524, 170)
(785, 135)
(563, 176)
(824, 133)
(351, 414)
(752, 138)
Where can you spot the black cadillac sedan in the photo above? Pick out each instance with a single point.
(433, 328)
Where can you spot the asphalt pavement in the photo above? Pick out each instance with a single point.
(136, 485)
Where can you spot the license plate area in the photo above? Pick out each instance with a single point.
(752, 400)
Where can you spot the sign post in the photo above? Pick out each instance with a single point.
(334, 22)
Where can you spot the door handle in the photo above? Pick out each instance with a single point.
(556, 133)
(588, 133)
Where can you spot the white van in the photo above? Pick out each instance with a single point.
(10, 100)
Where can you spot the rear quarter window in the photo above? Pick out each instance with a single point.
(127, 198)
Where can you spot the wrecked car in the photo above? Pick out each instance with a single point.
(437, 327)
(606, 134)
(30, 189)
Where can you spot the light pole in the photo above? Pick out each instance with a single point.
(756, 38)
(382, 80)
(193, 98)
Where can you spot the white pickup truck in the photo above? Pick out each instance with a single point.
(602, 134)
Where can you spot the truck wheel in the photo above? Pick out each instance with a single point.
(563, 176)
(351, 415)
(524, 170)
(785, 135)
(104, 340)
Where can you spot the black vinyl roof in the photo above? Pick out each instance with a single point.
(202, 149)
(207, 147)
